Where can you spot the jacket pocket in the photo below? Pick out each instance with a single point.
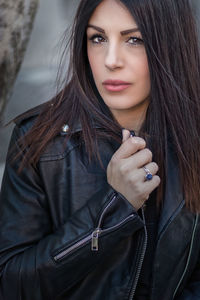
(92, 237)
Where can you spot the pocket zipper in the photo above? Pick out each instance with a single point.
(92, 237)
(98, 231)
(95, 239)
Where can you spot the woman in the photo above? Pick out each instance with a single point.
(85, 212)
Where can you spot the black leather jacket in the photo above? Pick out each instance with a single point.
(66, 234)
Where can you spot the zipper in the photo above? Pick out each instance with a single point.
(104, 231)
(105, 209)
(97, 231)
(189, 256)
(65, 252)
(95, 239)
(92, 237)
(141, 260)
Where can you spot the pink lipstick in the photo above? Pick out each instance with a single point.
(116, 85)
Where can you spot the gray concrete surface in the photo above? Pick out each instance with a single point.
(35, 83)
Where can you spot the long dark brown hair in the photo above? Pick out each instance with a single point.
(169, 32)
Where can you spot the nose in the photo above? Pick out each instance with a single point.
(113, 58)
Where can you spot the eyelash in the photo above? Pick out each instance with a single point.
(139, 41)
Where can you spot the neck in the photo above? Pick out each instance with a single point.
(131, 119)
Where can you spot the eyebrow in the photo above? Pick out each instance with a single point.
(125, 32)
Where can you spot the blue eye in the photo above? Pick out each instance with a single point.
(135, 41)
(97, 39)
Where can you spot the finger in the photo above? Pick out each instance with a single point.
(129, 147)
(141, 174)
(151, 167)
(125, 135)
(140, 159)
(152, 184)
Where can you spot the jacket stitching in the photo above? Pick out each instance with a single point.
(53, 157)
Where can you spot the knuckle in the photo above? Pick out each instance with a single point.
(113, 160)
(137, 186)
(130, 180)
(157, 180)
(137, 140)
(148, 154)
(134, 180)
(155, 166)
(123, 169)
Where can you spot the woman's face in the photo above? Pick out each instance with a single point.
(118, 58)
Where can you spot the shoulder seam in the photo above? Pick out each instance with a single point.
(33, 112)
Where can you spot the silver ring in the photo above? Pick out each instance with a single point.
(148, 175)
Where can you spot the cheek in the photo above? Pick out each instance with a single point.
(142, 72)
(94, 62)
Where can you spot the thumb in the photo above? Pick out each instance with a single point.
(125, 135)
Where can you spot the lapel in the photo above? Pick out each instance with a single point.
(174, 199)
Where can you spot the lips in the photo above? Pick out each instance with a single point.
(116, 85)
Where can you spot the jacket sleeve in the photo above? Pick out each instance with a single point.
(37, 262)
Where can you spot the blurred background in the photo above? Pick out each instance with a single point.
(35, 82)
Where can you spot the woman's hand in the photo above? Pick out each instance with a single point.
(125, 171)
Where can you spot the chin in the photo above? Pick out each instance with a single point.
(125, 106)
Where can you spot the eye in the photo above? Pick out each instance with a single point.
(135, 41)
(97, 39)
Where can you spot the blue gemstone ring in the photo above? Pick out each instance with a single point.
(148, 175)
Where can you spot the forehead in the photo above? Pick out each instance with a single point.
(112, 14)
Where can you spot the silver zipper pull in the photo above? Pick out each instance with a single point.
(95, 242)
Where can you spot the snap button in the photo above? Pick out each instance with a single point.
(65, 128)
